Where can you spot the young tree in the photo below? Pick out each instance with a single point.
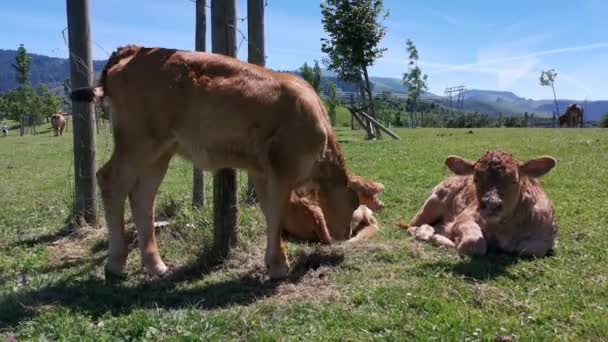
(354, 30)
(22, 66)
(414, 79)
(331, 91)
(3, 108)
(312, 75)
(67, 89)
(306, 72)
(316, 77)
(604, 122)
(49, 103)
(546, 79)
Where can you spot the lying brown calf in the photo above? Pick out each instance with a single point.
(305, 220)
(494, 203)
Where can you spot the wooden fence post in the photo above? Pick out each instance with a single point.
(81, 75)
(255, 55)
(198, 176)
(225, 212)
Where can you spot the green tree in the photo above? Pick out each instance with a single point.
(331, 91)
(354, 31)
(24, 100)
(316, 77)
(3, 108)
(49, 102)
(604, 121)
(414, 79)
(67, 90)
(547, 79)
(312, 75)
(22, 66)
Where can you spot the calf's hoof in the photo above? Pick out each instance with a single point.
(278, 268)
(157, 270)
(442, 241)
(424, 232)
(277, 273)
(472, 246)
(112, 278)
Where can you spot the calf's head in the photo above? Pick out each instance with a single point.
(498, 179)
(367, 192)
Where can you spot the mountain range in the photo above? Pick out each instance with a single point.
(52, 72)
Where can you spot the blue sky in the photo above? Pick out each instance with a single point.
(482, 44)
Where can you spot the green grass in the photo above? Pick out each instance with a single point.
(391, 288)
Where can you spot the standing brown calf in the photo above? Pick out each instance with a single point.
(217, 112)
(58, 123)
(494, 203)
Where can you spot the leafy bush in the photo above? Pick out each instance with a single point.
(604, 121)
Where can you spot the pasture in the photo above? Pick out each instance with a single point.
(390, 288)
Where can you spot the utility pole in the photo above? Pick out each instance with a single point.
(225, 212)
(81, 75)
(256, 54)
(198, 177)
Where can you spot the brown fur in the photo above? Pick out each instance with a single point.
(496, 203)
(305, 220)
(573, 117)
(218, 112)
(58, 123)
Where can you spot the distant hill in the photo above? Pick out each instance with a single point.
(53, 71)
(46, 70)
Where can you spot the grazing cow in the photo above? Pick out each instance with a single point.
(573, 116)
(58, 123)
(496, 203)
(4, 130)
(305, 220)
(217, 112)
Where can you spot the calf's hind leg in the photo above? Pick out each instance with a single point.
(275, 206)
(115, 179)
(142, 205)
(431, 212)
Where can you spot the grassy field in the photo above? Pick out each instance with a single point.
(391, 288)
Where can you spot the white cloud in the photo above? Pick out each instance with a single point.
(508, 68)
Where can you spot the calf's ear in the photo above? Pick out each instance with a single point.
(363, 186)
(459, 165)
(538, 166)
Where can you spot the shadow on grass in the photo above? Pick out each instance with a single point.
(92, 296)
(70, 228)
(485, 268)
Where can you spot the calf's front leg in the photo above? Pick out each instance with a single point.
(469, 238)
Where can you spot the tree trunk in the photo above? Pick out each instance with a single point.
(412, 118)
(369, 127)
(422, 119)
(556, 107)
(368, 88)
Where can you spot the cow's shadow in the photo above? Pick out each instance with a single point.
(83, 292)
(484, 268)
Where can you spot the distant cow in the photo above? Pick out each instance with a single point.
(573, 116)
(58, 123)
(305, 219)
(495, 203)
(4, 130)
